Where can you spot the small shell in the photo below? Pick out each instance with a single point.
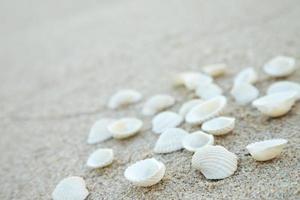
(215, 70)
(247, 75)
(170, 140)
(266, 150)
(215, 162)
(124, 98)
(100, 158)
(99, 131)
(187, 106)
(165, 120)
(208, 91)
(197, 140)
(157, 103)
(244, 93)
(219, 125)
(71, 188)
(207, 110)
(277, 104)
(125, 127)
(146, 172)
(280, 66)
(284, 86)
(191, 80)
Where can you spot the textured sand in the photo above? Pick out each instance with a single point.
(61, 60)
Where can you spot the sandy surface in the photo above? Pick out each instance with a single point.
(61, 60)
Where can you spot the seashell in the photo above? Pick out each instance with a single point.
(284, 86)
(146, 172)
(277, 104)
(99, 131)
(208, 91)
(247, 75)
(244, 93)
(206, 110)
(125, 127)
(191, 80)
(196, 140)
(219, 125)
(124, 98)
(170, 140)
(157, 103)
(70, 188)
(215, 70)
(187, 106)
(165, 120)
(266, 150)
(100, 158)
(280, 66)
(215, 162)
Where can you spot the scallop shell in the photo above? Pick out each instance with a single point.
(165, 120)
(219, 125)
(197, 140)
(215, 162)
(280, 66)
(284, 86)
(215, 70)
(71, 188)
(247, 75)
(125, 127)
(208, 91)
(157, 103)
(244, 93)
(146, 172)
(170, 140)
(277, 104)
(100, 158)
(187, 106)
(266, 150)
(191, 80)
(207, 110)
(99, 131)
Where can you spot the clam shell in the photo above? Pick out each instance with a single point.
(244, 93)
(215, 162)
(70, 188)
(208, 91)
(187, 106)
(124, 98)
(277, 104)
(146, 172)
(280, 66)
(125, 127)
(219, 125)
(266, 150)
(215, 70)
(165, 120)
(207, 110)
(157, 103)
(284, 86)
(247, 75)
(100, 158)
(197, 140)
(99, 131)
(191, 80)
(170, 140)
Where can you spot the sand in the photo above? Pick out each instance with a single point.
(61, 60)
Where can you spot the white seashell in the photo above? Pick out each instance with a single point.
(187, 106)
(208, 91)
(219, 125)
(280, 66)
(71, 188)
(124, 98)
(215, 162)
(191, 80)
(157, 103)
(215, 69)
(146, 172)
(99, 131)
(207, 110)
(266, 150)
(277, 104)
(125, 127)
(100, 158)
(247, 75)
(170, 140)
(197, 140)
(165, 120)
(284, 86)
(244, 93)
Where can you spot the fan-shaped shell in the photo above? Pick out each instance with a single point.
(208, 91)
(187, 106)
(215, 69)
(99, 131)
(196, 140)
(191, 80)
(165, 120)
(100, 158)
(280, 66)
(244, 93)
(247, 75)
(157, 103)
(215, 162)
(266, 150)
(123, 98)
(219, 125)
(207, 110)
(145, 172)
(284, 86)
(125, 127)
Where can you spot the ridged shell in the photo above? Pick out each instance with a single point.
(125, 127)
(215, 70)
(157, 103)
(146, 172)
(284, 86)
(215, 162)
(187, 106)
(196, 140)
(99, 131)
(124, 98)
(170, 140)
(266, 150)
(247, 75)
(207, 110)
(219, 125)
(208, 91)
(244, 93)
(280, 66)
(100, 158)
(191, 80)
(165, 120)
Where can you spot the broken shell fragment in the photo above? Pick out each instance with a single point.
(191, 80)
(157, 103)
(100, 158)
(215, 70)
(208, 91)
(187, 106)
(280, 66)
(196, 140)
(165, 120)
(247, 75)
(99, 131)
(124, 98)
(244, 93)
(219, 125)
(284, 86)
(125, 127)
